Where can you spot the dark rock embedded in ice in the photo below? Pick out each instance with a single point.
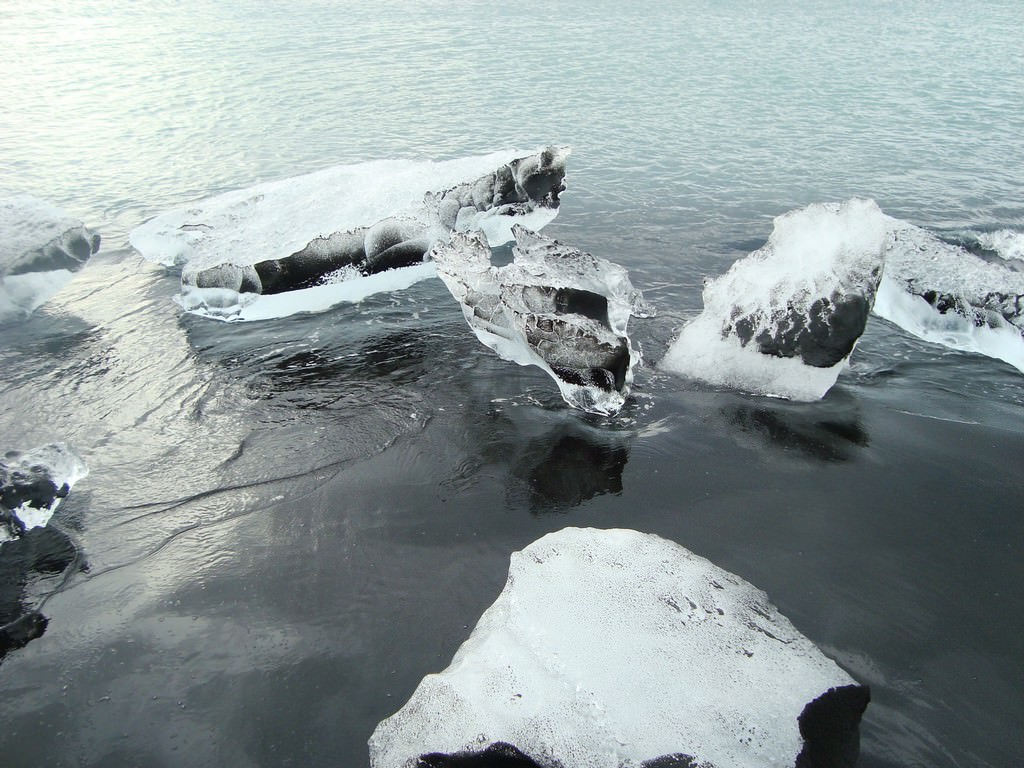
(830, 727)
(821, 335)
(32, 484)
(554, 306)
(616, 648)
(947, 294)
(784, 320)
(515, 188)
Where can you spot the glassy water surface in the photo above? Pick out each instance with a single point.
(287, 524)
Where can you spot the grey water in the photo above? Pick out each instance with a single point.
(288, 524)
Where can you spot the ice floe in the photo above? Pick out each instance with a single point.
(556, 307)
(1006, 244)
(943, 293)
(784, 320)
(613, 648)
(32, 484)
(41, 248)
(322, 235)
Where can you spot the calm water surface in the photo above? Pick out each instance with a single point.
(288, 524)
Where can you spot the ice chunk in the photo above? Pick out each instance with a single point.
(289, 235)
(612, 648)
(784, 320)
(555, 307)
(1005, 243)
(32, 484)
(41, 247)
(944, 294)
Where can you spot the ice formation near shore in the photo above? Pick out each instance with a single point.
(41, 248)
(343, 233)
(32, 484)
(784, 320)
(556, 307)
(943, 293)
(613, 648)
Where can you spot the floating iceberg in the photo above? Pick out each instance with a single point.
(945, 294)
(32, 484)
(784, 320)
(308, 243)
(614, 648)
(555, 307)
(1004, 246)
(1007, 244)
(41, 247)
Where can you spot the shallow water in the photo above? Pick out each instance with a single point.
(287, 524)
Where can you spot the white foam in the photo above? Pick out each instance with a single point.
(55, 462)
(813, 252)
(611, 647)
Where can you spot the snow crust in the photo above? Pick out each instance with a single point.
(32, 484)
(784, 320)
(41, 247)
(555, 307)
(426, 200)
(945, 294)
(609, 648)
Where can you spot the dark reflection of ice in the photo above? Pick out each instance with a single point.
(817, 434)
(568, 466)
(40, 555)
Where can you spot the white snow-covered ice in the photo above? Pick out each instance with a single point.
(784, 320)
(609, 648)
(32, 484)
(307, 215)
(556, 307)
(945, 294)
(41, 248)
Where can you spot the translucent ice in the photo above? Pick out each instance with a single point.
(32, 484)
(41, 247)
(1007, 244)
(320, 233)
(947, 295)
(554, 306)
(613, 648)
(784, 320)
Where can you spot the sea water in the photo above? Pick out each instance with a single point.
(288, 523)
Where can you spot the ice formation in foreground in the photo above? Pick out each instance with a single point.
(343, 233)
(554, 306)
(784, 320)
(41, 247)
(32, 484)
(945, 294)
(613, 648)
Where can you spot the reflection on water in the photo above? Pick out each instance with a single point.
(28, 565)
(814, 432)
(568, 466)
(262, 583)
